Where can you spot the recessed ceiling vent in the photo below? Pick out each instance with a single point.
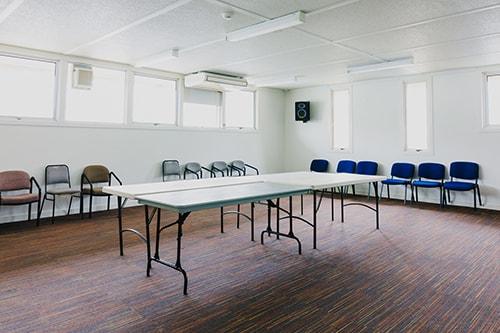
(214, 81)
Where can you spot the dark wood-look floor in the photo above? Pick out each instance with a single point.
(426, 270)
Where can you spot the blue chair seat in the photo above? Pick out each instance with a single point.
(459, 186)
(394, 181)
(426, 183)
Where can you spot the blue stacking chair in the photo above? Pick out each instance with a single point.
(430, 175)
(317, 165)
(367, 168)
(465, 171)
(401, 174)
(347, 166)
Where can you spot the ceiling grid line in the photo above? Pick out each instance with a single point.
(129, 26)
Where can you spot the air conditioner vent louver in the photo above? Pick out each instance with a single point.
(82, 77)
(214, 81)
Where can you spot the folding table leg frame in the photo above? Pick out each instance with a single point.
(290, 217)
(376, 209)
(179, 222)
(238, 213)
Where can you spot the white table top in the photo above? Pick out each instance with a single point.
(311, 180)
(213, 197)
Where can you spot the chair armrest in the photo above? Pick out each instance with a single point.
(212, 174)
(252, 167)
(84, 180)
(217, 170)
(240, 171)
(187, 170)
(33, 181)
(112, 174)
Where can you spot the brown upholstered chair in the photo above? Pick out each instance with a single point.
(17, 180)
(94, 177)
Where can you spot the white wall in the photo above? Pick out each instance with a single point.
(378, 130)
(136, 154)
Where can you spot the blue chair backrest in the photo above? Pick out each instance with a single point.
(464, 170)
(403, 170)
(319, 165)
(346, 166)
(367, 168)
(431, 171)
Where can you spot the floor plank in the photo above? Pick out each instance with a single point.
(425, 270)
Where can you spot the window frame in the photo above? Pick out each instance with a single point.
(430, 122)
(58, 120)
(130, 100)
(254, 113)
(485, 125)
(55, 97)
(332, 117)
(220, 115)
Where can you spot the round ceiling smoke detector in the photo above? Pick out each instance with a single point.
(227, 15)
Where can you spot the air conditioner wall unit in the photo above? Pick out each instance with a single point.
(214, 81)
(82, 76)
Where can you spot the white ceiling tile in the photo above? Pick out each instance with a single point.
(59, 25)
(192, 24)
(436, 32)
(299, 61)
(237, 53)
(373, 15)
(281, 7)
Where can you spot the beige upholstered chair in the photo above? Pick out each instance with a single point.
(94, 177)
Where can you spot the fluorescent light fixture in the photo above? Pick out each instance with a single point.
(391, 64)
(157, 58)
(277, 81)
(266, 27)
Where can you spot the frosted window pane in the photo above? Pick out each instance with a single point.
(494, 100)
(27, 88)
(341, 120)
(103, 103)
(416, 116)
(154, 100)
(239, 109)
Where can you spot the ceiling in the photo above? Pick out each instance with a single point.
(438, 34)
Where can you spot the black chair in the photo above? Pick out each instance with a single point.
(58, 183)
(218, 168)
(241, 168)
(171, 170)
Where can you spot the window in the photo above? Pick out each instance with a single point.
(341, 127)
(492, 116)
(239, 109)
(155, 100)
(28, 88)
(202, 108)
(417, 116)
(104, 102)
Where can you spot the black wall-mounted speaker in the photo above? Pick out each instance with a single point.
(302, 111)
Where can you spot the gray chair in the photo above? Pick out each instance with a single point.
(218, 168)
(193, 169)
(240, 167)
(171, 170)
(58, 183)
(94, 178)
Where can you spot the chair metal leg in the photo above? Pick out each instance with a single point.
(406, 193)
(388, 192)
(43, 201)
(353, 190)
(416, 194)
(38, 213)
(90, 207)
(479, 195)
(29, 212)
(441, 193)
(369, 189)
(109, 201)
(301, 204)
(475, 199)
(70, 202)
(53, 208)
